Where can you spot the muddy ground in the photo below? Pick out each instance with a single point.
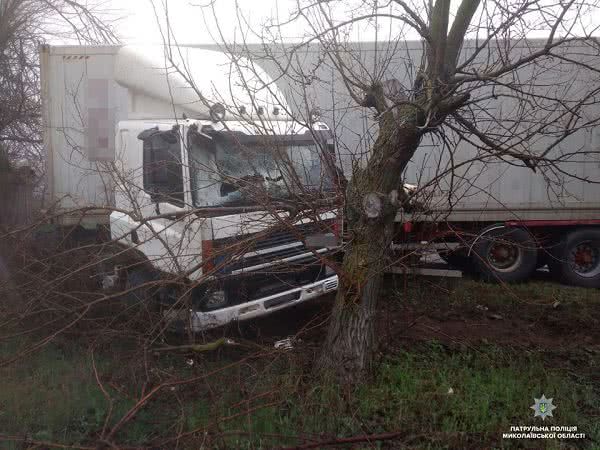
(539, 314)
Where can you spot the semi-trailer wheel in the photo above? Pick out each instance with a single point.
(505, 254)
(577, 259)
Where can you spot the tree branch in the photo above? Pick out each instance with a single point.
(438, 31)
(463, 18)
(20, 139)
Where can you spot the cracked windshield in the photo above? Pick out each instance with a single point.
(226, 173)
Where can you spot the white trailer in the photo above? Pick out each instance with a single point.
(493, 214)
(553, 214)
(148, 144)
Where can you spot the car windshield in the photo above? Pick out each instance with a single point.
(229, 174)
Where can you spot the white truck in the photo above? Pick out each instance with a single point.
(171, 149)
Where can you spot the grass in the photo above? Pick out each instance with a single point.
(442, 399)
(50, 396)
(558, 308)
(53, 395)
(436, 394)
(456, 394)
(573, 302)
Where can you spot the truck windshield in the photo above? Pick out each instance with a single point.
(230, 174)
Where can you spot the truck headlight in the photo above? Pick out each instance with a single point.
(215, 300)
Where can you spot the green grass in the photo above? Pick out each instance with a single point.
(443, 392)
(532, 294)
(56, 399)
(491, 389)
(438, 395)
(51, 396)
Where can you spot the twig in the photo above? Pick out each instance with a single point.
(198, 348)
(350, 440)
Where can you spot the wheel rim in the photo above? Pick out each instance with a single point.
(584, 259)
(504, 256)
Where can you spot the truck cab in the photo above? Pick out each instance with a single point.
(209, 199)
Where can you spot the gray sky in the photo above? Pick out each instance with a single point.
(138, 21)
(139, 24)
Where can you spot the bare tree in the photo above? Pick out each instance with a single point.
(24, 25)
(446, 96)
(446, 99)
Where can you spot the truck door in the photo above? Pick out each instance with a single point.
(170, 236)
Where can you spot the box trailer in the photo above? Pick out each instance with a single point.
(504, 217)
(481, 204)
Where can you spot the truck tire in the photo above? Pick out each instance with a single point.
(120, 270)
(505, 254)
(577, 259)
(136, 286)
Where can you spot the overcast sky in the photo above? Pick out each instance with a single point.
(138, 20)
(139, 23)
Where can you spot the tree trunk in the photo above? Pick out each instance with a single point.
(348, 349)
(351, 339)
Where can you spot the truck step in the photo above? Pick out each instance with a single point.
(430, 270)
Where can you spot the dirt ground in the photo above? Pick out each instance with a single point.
(536, 315)
(479, 352)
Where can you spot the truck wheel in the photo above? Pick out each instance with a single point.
(578, 258)
(504, 254)
(136, 281)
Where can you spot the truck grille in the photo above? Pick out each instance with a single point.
(331, 285)
(263, 251)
